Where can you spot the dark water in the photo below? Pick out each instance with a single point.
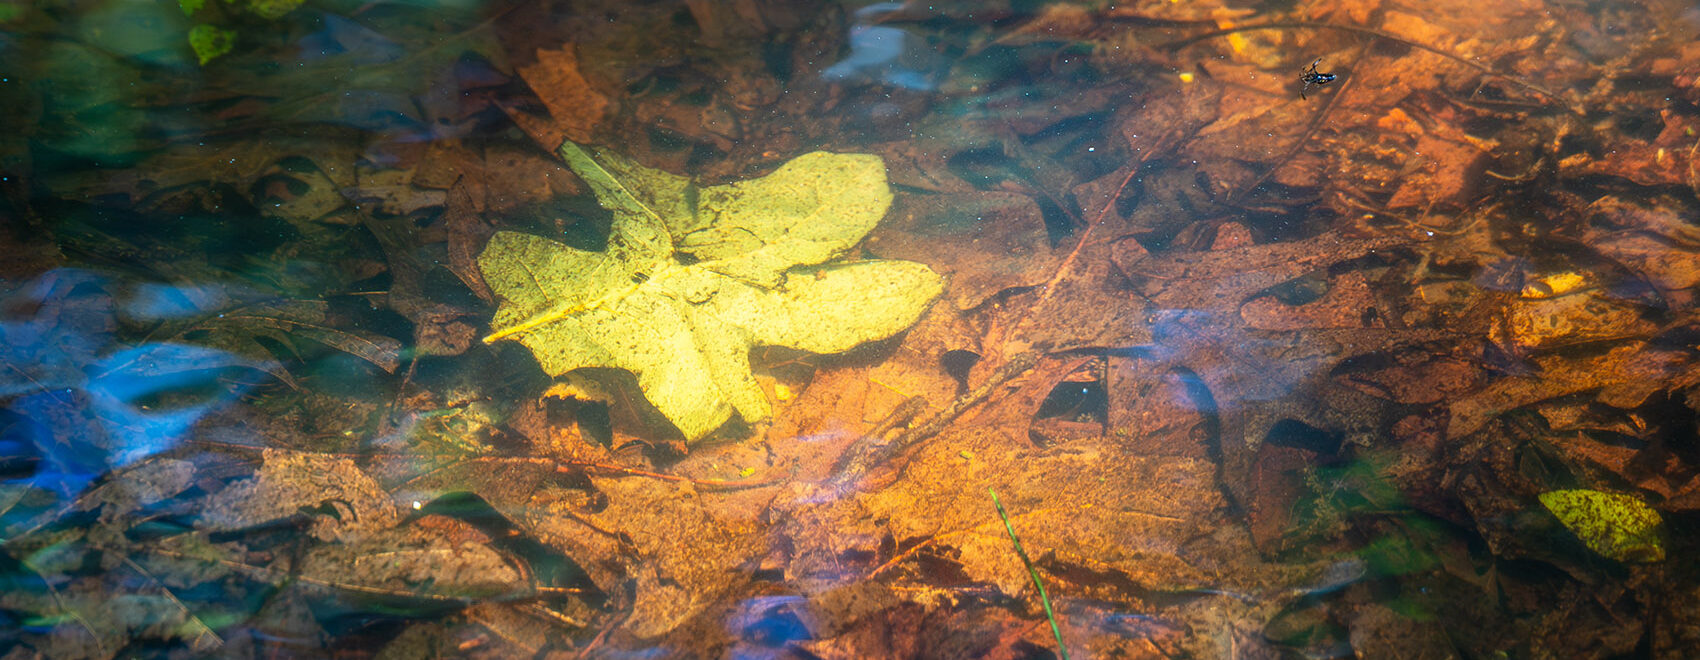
(696, 329)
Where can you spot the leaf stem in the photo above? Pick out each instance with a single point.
(1031, 572)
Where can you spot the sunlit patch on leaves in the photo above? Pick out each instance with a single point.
(693, 279)
(1616, 525)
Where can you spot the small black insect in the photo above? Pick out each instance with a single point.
(1313, 77)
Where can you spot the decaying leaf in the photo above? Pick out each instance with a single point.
(235, 327)
(1615, 525)
(406, 565)
(573, 102)
(692, 279)
(290, 481)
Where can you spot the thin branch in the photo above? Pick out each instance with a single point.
(205, 631)
(1303, 25)
(1315, 125)
(1044, 598)
(863, 457)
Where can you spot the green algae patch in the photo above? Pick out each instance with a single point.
(1615, 525)
(693, 278)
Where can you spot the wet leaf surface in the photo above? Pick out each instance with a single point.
(1397, 365)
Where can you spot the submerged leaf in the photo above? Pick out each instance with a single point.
(685, 326)
(1615, 525)
(810, 210)
(210, 41)
(273, 8)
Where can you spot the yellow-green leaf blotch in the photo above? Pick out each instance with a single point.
(273, 8)
(1617, 526)
(692, 279)
(210, 41)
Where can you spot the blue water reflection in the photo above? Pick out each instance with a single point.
(765, 624)
(887, 55)
(82, 404)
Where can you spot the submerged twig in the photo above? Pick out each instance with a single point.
(1303, 25)
(204, 632)
(1310, 130)
(1044, 598)
(726, 484)
(1020, 364)
(866, 454)
(1066, 268)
